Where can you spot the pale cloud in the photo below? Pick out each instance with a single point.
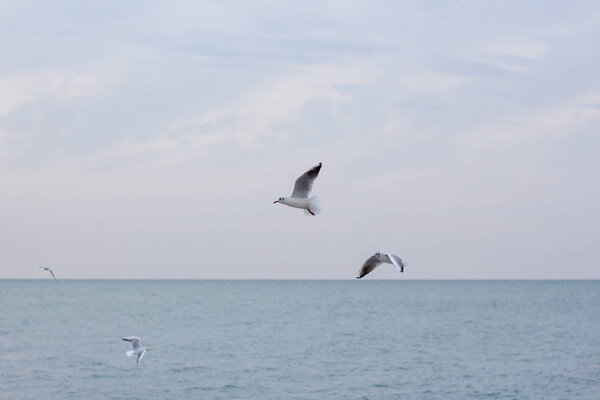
(253, 116)
(3, 135)
(523, 48)
(162, 150)
(430, 82)
(511, 55)
(511, 67)
(579, 115)
(280, 99)
(396, 121)
(61, 85)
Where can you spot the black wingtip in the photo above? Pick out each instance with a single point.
(315, 170)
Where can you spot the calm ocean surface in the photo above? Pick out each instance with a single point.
(301, 339)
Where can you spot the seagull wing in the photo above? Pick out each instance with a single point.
(51, 273)
(305, 182)
(369, 265)
(134, 340)
(140, 356)
(397, 261)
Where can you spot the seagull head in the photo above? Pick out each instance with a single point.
(280, 200)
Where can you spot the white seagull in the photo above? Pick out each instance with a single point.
(302, 189)
(49, 270)
(137, 348)
(379, 258)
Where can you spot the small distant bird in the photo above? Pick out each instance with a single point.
(302, 189)
(378, 258)
(137, 348)
(49, 270)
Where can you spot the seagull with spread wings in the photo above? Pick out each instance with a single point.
(300, 196)
(380, 258)
(138, 349)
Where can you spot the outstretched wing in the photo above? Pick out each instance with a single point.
(305, 182)
(397, 261)
(140, 356)
(369, 265)
(51, 273)
(134, 340)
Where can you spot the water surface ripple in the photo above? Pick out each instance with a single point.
(301, 339)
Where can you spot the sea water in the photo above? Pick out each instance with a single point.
(362, 339)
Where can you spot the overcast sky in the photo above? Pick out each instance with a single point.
(150, 139)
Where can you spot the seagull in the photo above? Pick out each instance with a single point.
(378, 258)
(302, 188)
(137, 348)
(49, 270)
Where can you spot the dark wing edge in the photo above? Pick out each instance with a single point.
(52, 273)
(397, 261)
(369, 265)
(303, 184)
(314, 171)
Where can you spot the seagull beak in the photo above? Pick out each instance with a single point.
(276, 201)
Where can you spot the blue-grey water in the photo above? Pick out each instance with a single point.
(301, 339)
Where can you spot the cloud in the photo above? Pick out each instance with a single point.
(260, 114)
(515, 56)
(3, 135)
(579, 115)
(280, 99)
(524, 48)
(60, 85)
(430, 82)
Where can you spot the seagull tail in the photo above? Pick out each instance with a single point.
(314, 205)
(129, 353)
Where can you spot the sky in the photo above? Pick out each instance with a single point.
(149, 139)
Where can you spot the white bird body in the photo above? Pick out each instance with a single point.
(300, 196)
(295, 202)
(377, 259)
(138, 349)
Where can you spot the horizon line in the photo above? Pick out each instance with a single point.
(303, 279)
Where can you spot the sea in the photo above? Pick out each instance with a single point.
(278, 339)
